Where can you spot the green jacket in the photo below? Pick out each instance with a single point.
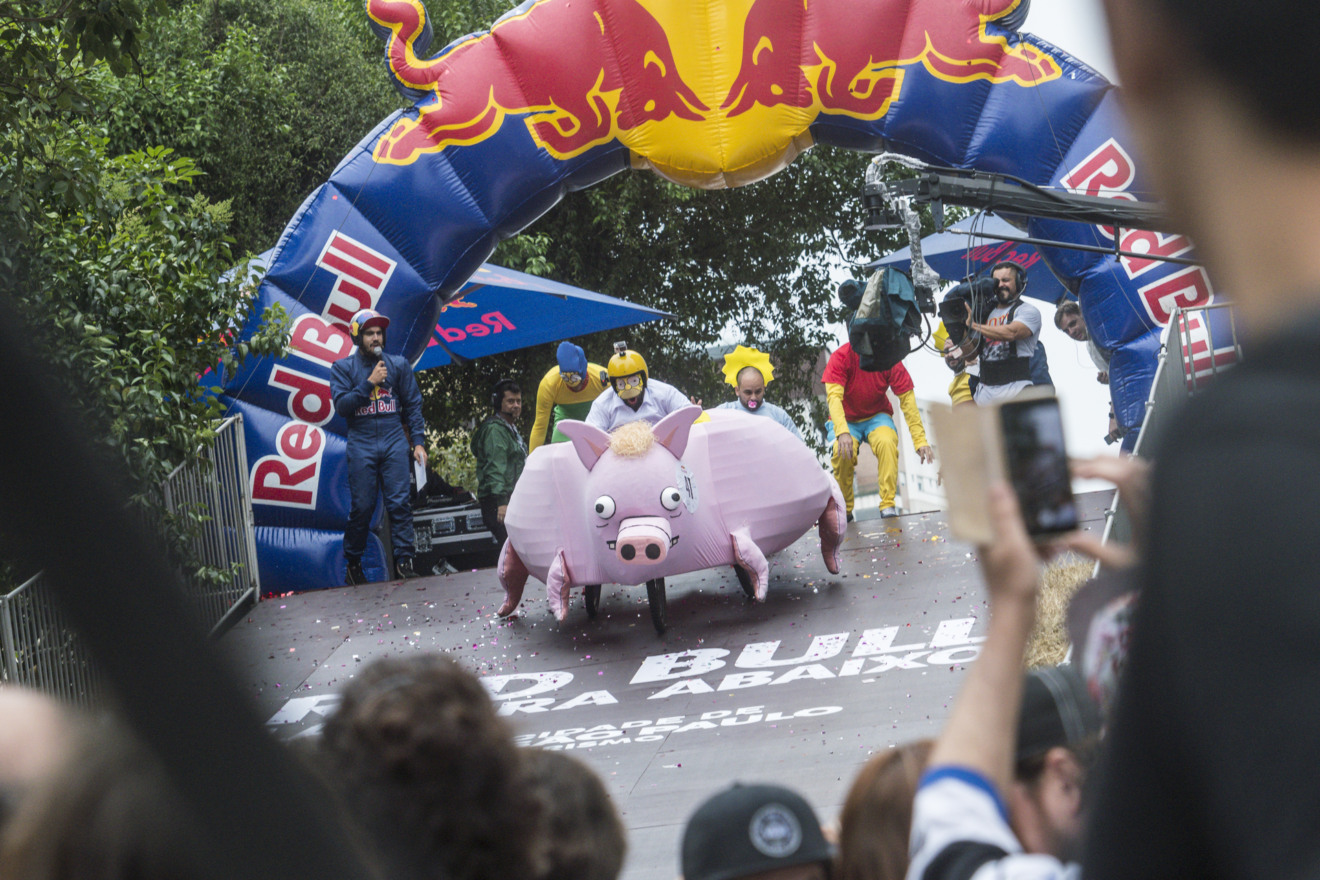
(500, 452)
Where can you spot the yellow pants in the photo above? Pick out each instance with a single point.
(884, 443)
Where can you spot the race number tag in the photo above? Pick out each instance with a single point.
(687, 487)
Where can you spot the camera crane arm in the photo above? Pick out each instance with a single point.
(1008, 196)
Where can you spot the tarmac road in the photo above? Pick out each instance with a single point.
(799, 690)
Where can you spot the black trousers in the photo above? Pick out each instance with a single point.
(490, 513)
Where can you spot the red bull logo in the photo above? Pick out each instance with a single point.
(457, 303)
(491, 322)
(581, 75)
(360, 277)
(848, 57)
(1109, 171)
(728, 102)
(291, 477)
(1003, 252)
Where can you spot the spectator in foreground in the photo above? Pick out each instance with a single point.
(432, 773)
(1209, 766)
(755, 831)
(960, 818)
(876, 822)
(586, 839)
(1058, 738)
(36, 733)
(107, 813)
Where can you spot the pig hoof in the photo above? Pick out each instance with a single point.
(560, 608)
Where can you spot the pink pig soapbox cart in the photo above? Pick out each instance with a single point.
(644, 503)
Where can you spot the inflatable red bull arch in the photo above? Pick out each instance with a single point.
(561, 94)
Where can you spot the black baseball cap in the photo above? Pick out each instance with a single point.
(747, 829)
(1057, 710)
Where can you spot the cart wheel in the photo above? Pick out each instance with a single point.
(746, 581)
(592, 592)
(655, 595)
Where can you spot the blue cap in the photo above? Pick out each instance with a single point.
(572, 359)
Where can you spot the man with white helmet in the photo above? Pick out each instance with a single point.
(377, 395)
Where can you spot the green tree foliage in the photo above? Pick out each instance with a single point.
(265, 97)
(111, 259)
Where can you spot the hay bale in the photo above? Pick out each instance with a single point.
(1048, 645)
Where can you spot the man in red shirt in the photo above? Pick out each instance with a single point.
(860, 412)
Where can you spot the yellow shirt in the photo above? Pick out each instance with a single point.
(959, 389)
(553, 393)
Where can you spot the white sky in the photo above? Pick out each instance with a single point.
(1077, 27)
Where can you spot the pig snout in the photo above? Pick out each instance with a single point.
(643, 539)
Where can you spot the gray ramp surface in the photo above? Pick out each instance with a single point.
(799, 690)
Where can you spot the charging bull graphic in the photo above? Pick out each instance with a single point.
(846, 56)
(643, 503)
(630, 77)
(561, 94)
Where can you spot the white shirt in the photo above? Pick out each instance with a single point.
(957, 807)
(994, 350)
(767, 409)
(609, 411)
(1099, 356)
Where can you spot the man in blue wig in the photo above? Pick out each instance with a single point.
(566, 392)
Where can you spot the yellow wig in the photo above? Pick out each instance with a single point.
(742, 357)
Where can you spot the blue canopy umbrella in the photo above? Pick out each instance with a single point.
(956, 255)
(501, 310)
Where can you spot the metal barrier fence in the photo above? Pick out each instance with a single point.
(41, 651)
(218, 489)
(1202, 342)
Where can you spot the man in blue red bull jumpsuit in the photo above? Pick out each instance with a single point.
(378, 396)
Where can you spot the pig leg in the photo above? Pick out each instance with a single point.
(833, 525)
(557, 587)
(752, 560)
(513, 576)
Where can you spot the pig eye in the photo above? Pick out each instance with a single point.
(605, 507)
(670, 498)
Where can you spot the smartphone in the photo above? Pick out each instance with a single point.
(1037, 465)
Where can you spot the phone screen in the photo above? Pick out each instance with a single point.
(1038, 465)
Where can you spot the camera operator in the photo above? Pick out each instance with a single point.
(1011, 331)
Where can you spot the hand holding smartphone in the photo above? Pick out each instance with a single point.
(1020, 441)
(1037, 465)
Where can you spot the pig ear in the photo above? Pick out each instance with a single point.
(589, 441)
(672, 430)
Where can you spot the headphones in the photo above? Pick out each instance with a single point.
(1020, 274)
(497, 393)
